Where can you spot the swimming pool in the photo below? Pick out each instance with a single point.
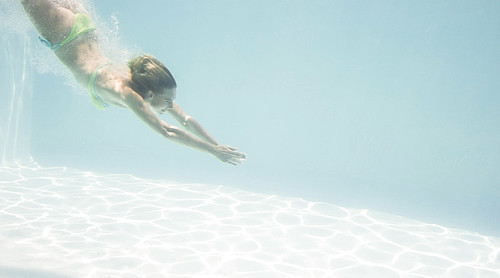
(329, 125)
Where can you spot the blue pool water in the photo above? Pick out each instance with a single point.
(371, 130)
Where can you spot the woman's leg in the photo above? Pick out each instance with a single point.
(74, 6)
(52, 21)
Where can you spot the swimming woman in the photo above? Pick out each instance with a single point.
(144, 85)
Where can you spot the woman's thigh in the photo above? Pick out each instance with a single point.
(52, 21)
(73, 5)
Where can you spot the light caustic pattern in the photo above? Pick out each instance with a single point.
(59, 222)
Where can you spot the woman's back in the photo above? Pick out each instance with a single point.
(70, 33)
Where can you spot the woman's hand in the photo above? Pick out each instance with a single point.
(229, 155)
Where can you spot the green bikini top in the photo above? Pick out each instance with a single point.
(96, 100)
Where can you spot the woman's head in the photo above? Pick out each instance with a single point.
(149, 74)
(153, 81)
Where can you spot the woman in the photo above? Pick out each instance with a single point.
(143, 86)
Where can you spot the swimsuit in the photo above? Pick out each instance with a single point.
(83, 24)
(96, 100)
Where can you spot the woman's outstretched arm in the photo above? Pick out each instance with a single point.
(190, 124)
(137, 105)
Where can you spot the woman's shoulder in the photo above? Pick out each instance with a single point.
(113, 82)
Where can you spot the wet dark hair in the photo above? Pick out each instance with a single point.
(149, 74)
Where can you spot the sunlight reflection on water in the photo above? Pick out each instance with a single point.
(85, 224)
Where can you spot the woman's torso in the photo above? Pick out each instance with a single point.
(82, 55)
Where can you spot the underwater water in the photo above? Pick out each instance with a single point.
(372, 145)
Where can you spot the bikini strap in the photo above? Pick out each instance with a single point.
(96, 100)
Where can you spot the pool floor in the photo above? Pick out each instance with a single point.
(60, 222)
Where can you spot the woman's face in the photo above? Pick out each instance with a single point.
(163, 100)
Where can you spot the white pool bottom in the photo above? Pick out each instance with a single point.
(58, 222)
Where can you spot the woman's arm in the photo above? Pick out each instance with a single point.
(190, 124)
(137, 105)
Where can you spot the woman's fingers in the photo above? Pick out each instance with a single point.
(231, 155)
(235, 160)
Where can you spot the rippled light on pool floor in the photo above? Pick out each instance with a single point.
(58, 222)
